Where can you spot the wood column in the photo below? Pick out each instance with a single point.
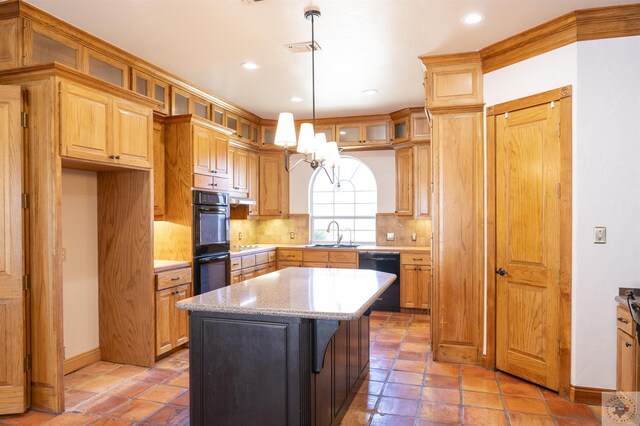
(453, 87)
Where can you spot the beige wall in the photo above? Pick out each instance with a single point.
(80, 266)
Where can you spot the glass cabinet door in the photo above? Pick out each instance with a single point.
(48, 48)
(108, 69)
(232, 122)
(376, 133)
(161, 94)
(400, 130)
(268, 137)
(201, 108)
(328, 132)
(218, 115)
(348, 134)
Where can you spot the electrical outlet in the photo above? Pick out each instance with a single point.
(239, 236)
(391, 236)
(414, 236)
(599, 235)
(292, 235)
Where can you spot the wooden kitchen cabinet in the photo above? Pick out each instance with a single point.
(253, 186)
(274, 186)
(172, 324)
(362, 134)
(210, 150)
(404, 181)
(239, 171)
(410, 125)
(244, 267)
(158, 169)
(98, 127)
(422, 180)
(149, 86)
(400, 130)
(415, 280)
(627, 365)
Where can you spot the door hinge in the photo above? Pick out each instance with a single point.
(558, 129)
(26, 282)
(431, 184)
(558, 277)
(558, 346)
(23, 116)
(559, 190)
(25, 201)
(27, 363)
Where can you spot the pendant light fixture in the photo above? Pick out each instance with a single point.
(314, 146)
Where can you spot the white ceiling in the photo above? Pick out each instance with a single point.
(365, 44)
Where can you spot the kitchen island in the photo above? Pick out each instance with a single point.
(287, 348)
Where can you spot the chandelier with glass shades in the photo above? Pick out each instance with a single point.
(317, 151)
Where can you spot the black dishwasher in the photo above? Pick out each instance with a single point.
(384, 262)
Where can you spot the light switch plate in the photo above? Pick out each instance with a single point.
(391, 236)
(414, 236)
(599, 235)
(292, 235)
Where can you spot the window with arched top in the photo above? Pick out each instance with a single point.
(352, 201)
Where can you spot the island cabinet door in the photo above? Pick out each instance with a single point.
(364, 342)
(354, 352)
(341, 367)
(322, 383)
(163, 321)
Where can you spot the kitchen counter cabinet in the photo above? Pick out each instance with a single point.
(415, 280)
(245, 265)
(173, 284)
(628, 361)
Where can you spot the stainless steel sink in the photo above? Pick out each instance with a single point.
(333, 245)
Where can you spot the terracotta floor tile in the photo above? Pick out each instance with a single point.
(136, 410)
(383, 353)
(384, 363)
(562, 408)
(442, 381)
(76, 378)
(131, 388)
(370, 387)
(378, 374)
(440, 412)
(73, 397)
(412, 356)
(174, 363)
(100, 383)
(30, 418)
(480, 385)
(416, 339)
(479, 372)
(482, 399)
(127, 371)
(415, 347)
(483, 417)
(576, 422)
(390, 335)
(412, 366)
(182, 380)
(426, 422)
(405, 377)
(155, 375)
(183, 399)
(386, 345)
(520, 389)
(547, 394)
(524, 419)
(364, 402)
(447, 396)
(356, 418)
(72, 419)
(525, 405)
(443, 369)
(107, 421)
(397, 406)
(168, 415)
(391, 420)
(161, 393)
(399, 390)
(597, 411)
(102, 404)
(508, 378)
(100, 367)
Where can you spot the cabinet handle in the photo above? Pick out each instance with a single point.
(622, 320)
(417, 259)
(627, 344)
(211, 184)
(175, 278)
(112, 156)
(117, 157)
(215, 184)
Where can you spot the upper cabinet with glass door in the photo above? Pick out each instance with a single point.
(49, 46)
(362, 134)
(151, 87)
(107, 68)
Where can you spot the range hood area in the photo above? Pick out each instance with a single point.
(241, 201)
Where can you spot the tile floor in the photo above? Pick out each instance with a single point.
(404, 388)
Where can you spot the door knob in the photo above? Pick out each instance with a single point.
(501, 272)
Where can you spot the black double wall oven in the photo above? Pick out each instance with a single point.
(211, 243)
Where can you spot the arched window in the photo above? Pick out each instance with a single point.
(352, 201)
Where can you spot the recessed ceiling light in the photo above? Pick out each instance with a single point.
(473, 18)
(296, 99)
(250, 66)
(370, 92)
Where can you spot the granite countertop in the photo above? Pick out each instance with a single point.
(168, 265)
(318, 293)
(622, 294)
(267, 247)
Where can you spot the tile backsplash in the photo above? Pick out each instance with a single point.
(277, 231)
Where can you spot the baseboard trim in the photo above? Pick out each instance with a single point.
(81, 360)
(587, 395)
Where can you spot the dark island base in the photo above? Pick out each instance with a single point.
(258, 370)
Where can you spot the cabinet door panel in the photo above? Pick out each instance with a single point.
(133, 137)
(202, 151)
(409, 286)
(423, 284)
(85, 124)
(180, 321)
(163, 321)
(404, 182)
(422, 179)
(626, 364)
(240, 171)
(271, 181)
(220, 156)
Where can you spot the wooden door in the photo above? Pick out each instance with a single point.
(202, 145)
(13, 383)
(423, 284)
(133, 134)
(528, 244)
(164, 309)
(409, 286)
(219, 155)
(626, 362)
(404, 181)
(180, 322)
(85, 123)
(271, 176)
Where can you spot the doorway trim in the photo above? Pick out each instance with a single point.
(563, 100)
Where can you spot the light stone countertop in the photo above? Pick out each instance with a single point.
(267, 247)
(318, 293)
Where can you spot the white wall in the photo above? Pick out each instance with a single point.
(381, 163)
(80, 268)
(606, 182)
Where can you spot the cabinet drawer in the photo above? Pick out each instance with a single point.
(236, 277)
(248, 273)
(343, 265)
(248, 261)
(624, 321)
(289, 255)
(208, 182)
(221, 184)
(343, 256)
(236, 263)
(415, 259)
(261, 270)
(262, 258)
(287, 263)
(315, 256)
(173, 278)
(272, 256)
(314, 264)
